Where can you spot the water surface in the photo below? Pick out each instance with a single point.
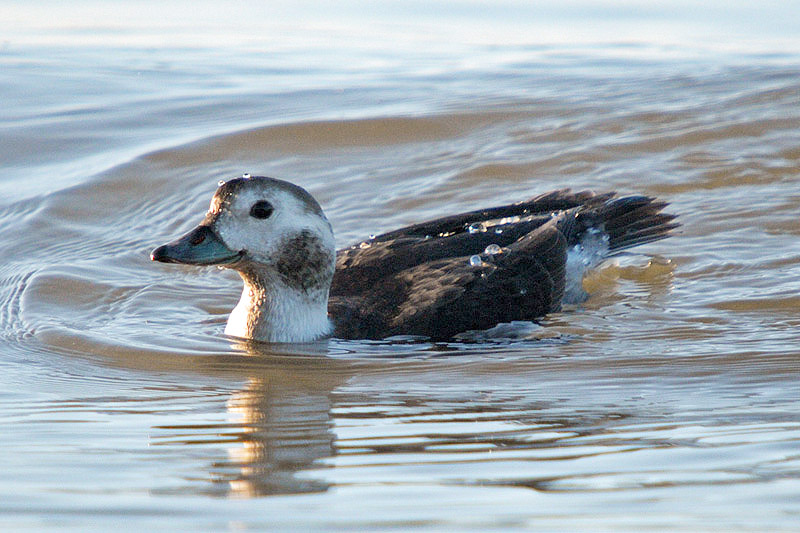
(668, 401)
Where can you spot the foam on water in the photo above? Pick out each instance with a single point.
(581, 258)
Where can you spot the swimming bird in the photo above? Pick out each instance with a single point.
(435, 279)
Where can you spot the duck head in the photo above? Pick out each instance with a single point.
(276, 236)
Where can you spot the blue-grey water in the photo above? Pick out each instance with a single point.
(670, 400)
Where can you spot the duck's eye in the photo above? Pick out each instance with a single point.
(261, 209)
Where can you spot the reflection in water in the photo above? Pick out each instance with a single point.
(278, 425)
(284, 431)
(578, 424)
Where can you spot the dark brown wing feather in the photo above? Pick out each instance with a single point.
(441, 298)
(360, 266)
(419, 281)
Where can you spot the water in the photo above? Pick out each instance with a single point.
(669, 400)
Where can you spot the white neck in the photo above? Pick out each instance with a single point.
(271, 311)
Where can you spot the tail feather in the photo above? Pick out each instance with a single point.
(630, 221)
(629, 239)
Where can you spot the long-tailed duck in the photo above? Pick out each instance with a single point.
(436, 279)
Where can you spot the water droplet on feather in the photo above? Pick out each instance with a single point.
(477, 227)
(475, 260)
(493, 249)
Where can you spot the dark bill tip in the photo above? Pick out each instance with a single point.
(161, 255)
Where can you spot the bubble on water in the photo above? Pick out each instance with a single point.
(493, 249)
(246, 176)
(477, 227)
(475, 260)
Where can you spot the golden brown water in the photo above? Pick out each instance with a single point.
(669, 400)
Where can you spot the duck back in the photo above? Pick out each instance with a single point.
(477, 269)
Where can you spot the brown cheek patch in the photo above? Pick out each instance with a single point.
(305, 263)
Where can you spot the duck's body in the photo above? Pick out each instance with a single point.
(436, 279)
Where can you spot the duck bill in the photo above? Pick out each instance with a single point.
(201, 246)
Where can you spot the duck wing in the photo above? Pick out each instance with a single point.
(360, 266)
(441, 298)
(421, 280)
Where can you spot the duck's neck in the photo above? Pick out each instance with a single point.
(272, 311)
